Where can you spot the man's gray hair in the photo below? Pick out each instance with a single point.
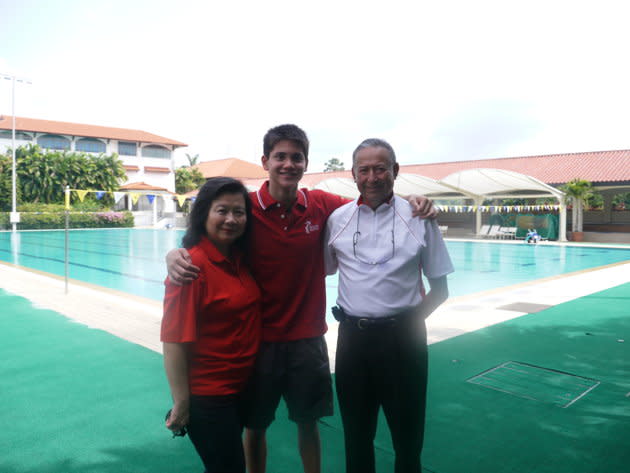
(374, 143)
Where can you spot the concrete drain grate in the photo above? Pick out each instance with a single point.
(536, 383)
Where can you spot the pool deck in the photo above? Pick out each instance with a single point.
(138, 319)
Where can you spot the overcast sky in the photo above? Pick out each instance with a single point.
(441, 80)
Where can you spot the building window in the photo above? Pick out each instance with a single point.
(90, 145)
(126, 148)
(53, 142)
(154, 151)
(6, 134)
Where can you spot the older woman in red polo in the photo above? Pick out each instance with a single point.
(211, 328)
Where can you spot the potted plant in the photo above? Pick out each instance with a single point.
(577, 192)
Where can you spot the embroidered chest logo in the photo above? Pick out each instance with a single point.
(309, 227)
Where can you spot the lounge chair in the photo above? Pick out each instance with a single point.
(507, 232)
(483, 231)
(494, 232)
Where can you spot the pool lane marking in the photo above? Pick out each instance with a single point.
(100, 243)
(74, 249)
(119, 243)
(96, 268)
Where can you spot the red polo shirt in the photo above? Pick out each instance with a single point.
(288, 263)
(219, 315)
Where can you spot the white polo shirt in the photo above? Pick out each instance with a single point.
(379, 275)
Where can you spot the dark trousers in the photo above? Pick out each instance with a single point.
(382, 366)
(215, 429)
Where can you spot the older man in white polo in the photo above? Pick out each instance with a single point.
(381, 253)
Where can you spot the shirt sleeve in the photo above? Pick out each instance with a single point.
(435, 260)
(181, 306)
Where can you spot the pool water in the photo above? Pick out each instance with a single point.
(127, 260)
(132, 260)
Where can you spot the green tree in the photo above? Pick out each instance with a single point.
(578, 193)
(333, 164)
(188, 179)
(6, 193)
(43, 175)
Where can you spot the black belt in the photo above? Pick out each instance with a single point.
(364, 323)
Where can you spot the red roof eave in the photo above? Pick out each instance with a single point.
(34, 125)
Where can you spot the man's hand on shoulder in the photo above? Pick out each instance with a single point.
(422, 207)
(180, 268)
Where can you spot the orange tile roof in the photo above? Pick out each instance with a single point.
(131, 167)
(142, 186)
(595, 166)
(79, 129)
(231, 167)
(256, 183)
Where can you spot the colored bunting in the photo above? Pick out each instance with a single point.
(497, 208)
(180, 199)
(81, 194)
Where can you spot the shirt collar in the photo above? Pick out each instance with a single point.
(361, 202)
(266, 200)
(215, 255)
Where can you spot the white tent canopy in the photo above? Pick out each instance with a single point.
(474, 184)
(407, 184)
(343, 186)
(480, 184)
(490, 183)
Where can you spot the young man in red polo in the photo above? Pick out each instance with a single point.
(287, 262)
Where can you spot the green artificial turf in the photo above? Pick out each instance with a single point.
(76, 399)
(472, 428)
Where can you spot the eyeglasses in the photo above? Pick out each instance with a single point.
(357, 234)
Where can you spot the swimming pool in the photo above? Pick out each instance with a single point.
(132, 260)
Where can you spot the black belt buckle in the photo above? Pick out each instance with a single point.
(364, 323)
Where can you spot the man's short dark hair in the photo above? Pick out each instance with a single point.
(374, 143)
(285, 132)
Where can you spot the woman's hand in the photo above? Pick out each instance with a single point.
(180, 416)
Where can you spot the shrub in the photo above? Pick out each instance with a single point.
(38, 207)
(56, 220)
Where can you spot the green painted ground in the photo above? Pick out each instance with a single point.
(75, 399)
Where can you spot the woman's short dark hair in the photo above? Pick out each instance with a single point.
(285, 132)
(209, 192)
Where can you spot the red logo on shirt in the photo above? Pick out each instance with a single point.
(309, 227)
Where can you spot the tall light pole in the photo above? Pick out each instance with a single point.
(15, 216)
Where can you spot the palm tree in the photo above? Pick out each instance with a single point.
(577, 191)
(192, 160)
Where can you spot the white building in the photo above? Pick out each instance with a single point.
(148, 159)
